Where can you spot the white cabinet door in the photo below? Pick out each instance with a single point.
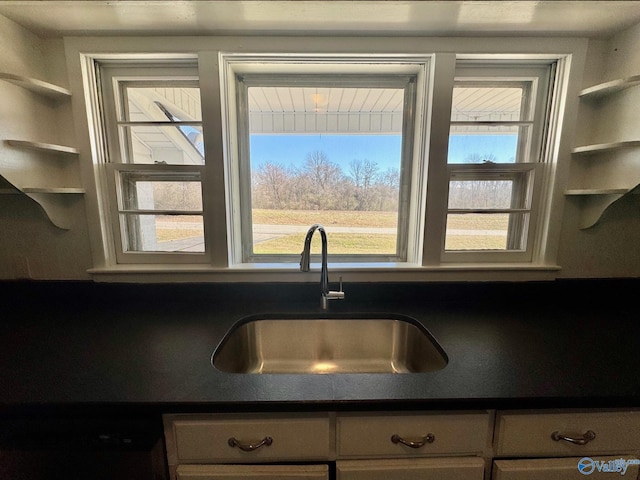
(564, 468)
(257, 472)
(457, 468)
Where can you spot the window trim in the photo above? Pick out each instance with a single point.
(272, 68)
(82, 53)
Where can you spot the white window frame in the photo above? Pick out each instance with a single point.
(541, 76)
(362, 68)
(114, 76)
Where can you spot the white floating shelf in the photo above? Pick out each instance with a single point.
(597, 191)
(38, 86)
(53, 190)
(604, 147)
(608, 88)
(43, 147)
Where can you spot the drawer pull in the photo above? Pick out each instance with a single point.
(428, 438)
(248, 447)
(586, 438)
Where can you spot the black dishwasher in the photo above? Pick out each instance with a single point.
(40, 446)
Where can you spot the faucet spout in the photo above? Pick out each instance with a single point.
(305, 260)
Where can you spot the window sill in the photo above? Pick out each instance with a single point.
(370, 272)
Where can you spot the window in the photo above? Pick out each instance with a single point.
(328, 141)
(496, 147)
(346, 141)
(156, 161)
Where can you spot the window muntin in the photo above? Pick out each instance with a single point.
(329, 150)
(498, 118)
(155, 162)
(488, 210)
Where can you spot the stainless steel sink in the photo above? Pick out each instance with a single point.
(336, 344)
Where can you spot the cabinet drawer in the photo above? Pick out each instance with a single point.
(208, 439)
(460, 468)
(262, 472)
(531, 433)
(371, 435)
(562, 469)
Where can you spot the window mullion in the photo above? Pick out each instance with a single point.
(216, 121)
(442, 78)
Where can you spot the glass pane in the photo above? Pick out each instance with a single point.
(486, 103)
(172, 145)
(474, 194)
(140, 193)
(163, 233)
(510, 192)
(484, 143)
(486, 231)
(351, 233)
(330, 156)
(145, 104)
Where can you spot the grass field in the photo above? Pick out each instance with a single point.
(383, 244)
(325, 217)
(175, 228)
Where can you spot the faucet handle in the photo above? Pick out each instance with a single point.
(333, 295)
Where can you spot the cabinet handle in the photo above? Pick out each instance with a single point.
(249, 447)
(586, 438)
(428, 438)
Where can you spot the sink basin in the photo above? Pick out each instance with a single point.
(332, 344)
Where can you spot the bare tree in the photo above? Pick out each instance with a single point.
(320, 184)
(270, 186)
(325, 176)
(171, 195)
(480, 158)
(364, 174)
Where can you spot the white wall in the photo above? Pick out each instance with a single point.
(611, 248)
(31, 247)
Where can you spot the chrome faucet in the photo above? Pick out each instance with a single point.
(305, 258)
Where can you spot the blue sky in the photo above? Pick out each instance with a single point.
(291, 150)
(341, 149)
(503, 147)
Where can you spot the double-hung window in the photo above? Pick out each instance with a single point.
(496, 156)
(155, 166)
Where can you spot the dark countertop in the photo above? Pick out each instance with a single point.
(71, 345)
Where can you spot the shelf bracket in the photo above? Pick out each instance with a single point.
(596, 205)
(55, 203)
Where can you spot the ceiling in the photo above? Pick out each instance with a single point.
(52, 18)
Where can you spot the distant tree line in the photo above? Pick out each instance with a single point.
(320, 184)
(480, 193)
